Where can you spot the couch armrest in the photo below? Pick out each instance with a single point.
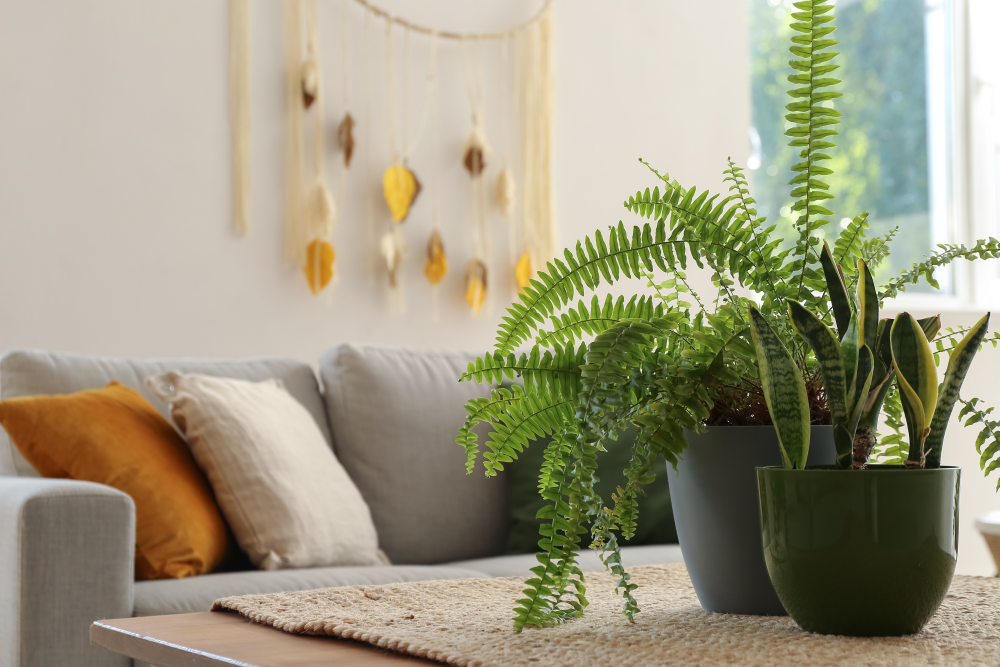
(67, 552)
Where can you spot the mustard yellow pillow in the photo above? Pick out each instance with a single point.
(113, 436)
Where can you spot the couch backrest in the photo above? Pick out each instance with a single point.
(28, 372)
(394, 414)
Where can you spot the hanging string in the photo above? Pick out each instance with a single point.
(390, 94)
(535, 74)
(320, 207)
(477, 155)
(437, 262)
(294, 247)
(406, 90)
(345, 40)
(505, 188)
(239, 110)
(369, 186)
(451, 35)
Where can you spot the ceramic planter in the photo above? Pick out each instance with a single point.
(861, 553)
(714, 498)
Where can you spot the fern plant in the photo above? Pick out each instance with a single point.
(672, 361)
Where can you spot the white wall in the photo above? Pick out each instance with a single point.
(115, 179)
(115, 176)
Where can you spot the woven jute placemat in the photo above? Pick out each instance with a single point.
(467, 622)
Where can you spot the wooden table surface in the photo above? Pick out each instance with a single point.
(214, 639)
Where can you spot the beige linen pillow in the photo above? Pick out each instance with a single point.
(287, 499)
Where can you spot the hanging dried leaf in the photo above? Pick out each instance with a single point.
(400, 187)
(522, 272)
(319, 265)
(393, 250)
(437, 263)
(506, 192)
(345, 137)
(475, 285)
(477, 152)
(320, 210)
(310, 82)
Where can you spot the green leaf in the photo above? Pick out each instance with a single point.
(958, 366)
(837, 289)
(917, 379)
(867, 306)
(830, 356)
(784, 392)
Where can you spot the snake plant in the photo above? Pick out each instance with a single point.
(671, 361)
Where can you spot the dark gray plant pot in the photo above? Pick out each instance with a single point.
(716, 509)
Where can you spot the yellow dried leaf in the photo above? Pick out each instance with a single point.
(319, 265)
(400, 187)
(522, 272)
(475, 285)
(437, 263)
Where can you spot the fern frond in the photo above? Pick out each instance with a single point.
(984, 249)
(847, 248)
(874, 251)
(557, 562)
(556, 371)
(529, 417)
(575, 323)
(989, 434)
(812, 131)
(594, 259)
(945, 342)
(892, 449)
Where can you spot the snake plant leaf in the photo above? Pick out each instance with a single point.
(849, 345)
(784, 392)
(917, 378)
(835, 286)
(867, 306)
(863, 385)
(930, 326)
(958, 367)
(829, 353)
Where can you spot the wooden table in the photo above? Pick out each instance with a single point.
(214, 639)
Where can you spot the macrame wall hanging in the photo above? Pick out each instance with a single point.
(518, 184)
(534, 59)
(310, 212)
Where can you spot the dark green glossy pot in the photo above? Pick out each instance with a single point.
(860, 553)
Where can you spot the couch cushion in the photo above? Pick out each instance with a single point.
(520, 565)
(193, 594)
(394, 414)
(29, 372)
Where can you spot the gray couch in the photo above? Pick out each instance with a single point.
(390, 415)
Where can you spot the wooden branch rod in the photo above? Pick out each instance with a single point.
(451, 35)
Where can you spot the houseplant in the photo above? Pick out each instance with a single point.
(670, 361)
(891, 518)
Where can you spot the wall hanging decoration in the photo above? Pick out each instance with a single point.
(345, 130)
(476, 155)
(239, 110)
(310, 212)
(436, 267)
(518, 183)
(534, 58)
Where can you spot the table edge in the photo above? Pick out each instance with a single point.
(101, 632)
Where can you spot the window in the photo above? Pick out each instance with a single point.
(894, 155)
(984, 84)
